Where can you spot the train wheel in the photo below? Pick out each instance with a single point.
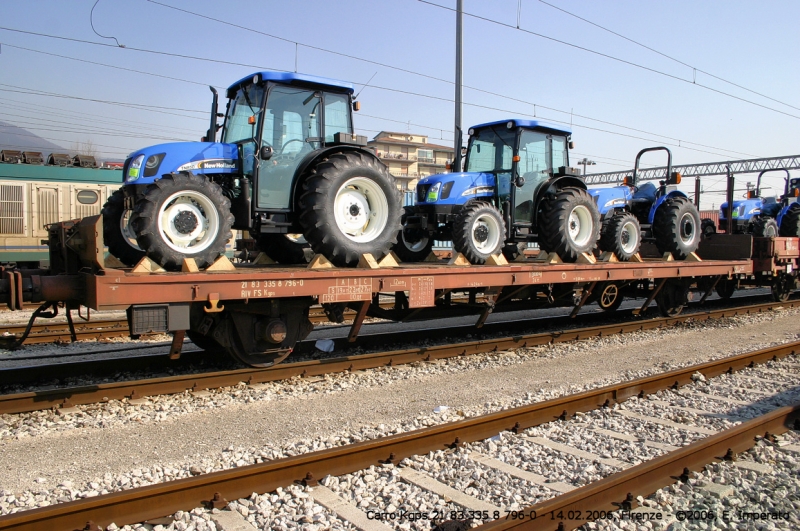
(117, 231)
(209, 344)
(672, 298)
(622, 236)
(726, 288)
(350, 206)
(478, 232)
(569, 224)
(676, 227)
(782, 287)
(183, 216)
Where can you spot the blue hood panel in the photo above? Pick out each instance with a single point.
(611, 198)
(197, 157)
(483, 185)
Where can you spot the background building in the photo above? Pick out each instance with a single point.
(410, 156)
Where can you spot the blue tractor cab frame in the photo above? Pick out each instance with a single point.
(517, 188)
(663, 215)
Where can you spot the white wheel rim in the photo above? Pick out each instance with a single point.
(579, 225)
(491, 227)
(127, 231)
(188, 204)
(687, 228)
(629, 237)
(361, 209)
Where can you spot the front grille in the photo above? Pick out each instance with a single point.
(422, 192)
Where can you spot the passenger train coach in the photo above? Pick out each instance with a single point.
(34, 194)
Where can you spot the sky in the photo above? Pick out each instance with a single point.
(545, 59)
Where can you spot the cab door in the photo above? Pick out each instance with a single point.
(534, 167)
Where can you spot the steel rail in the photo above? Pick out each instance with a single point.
(154, 501)
(611, 493)
(90, 394)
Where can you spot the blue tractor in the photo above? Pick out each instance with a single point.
(517, 187)
(288, 169)
(663, 215)
(766, 216)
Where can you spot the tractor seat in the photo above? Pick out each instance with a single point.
(645, 193)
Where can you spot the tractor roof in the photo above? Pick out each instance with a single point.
(528, 124)
(291, 78)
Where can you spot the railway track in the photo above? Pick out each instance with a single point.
(70, 397)
(560, 505)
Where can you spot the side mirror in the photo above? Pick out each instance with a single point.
(356, 106)
(519, 182)
(265, 153)
(571, 144)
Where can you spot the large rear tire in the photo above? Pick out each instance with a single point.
(413, 245)
(765, 228)
(350, 206)
(790, 223)
(285, 248)
(676, 227)
(117, 231)
(569, 224)
(479, 232)
(622, 236)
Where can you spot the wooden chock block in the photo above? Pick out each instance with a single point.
(636, 258)
(112, 262)
(608, 256)
(667, 257)
(263, 259)
(586, 258)
(320, 262)
(221, 264)
(367, 261)
(189, 266)
(146, 265)
(390, 260)
(431, 257)
(693, 258)
(459, 260)
(553, 258)
(496, 260)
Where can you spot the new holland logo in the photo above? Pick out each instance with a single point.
(210, 164)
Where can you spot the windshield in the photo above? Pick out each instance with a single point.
(491, 150)
(245, 104)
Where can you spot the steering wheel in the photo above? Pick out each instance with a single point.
(283, 148)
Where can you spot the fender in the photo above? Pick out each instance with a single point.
(660, 201)
(554, 185)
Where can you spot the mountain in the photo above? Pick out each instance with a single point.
(17, 138)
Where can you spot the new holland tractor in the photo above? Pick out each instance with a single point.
(765, 216)
(288, 169)
(663, 215)
(517, 187)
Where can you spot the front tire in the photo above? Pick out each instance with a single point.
(765, 228)
(790, 224)
(676, 228)
(707, 228)
(183, 215)
(350, 206)
(413, 245)
(117, 231)
(621, 236)
(569, 224)
(478, 232)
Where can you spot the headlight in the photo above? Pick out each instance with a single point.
(152, 164)
(134, 168)
(433, 193)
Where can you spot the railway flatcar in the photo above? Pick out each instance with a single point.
(35, 192)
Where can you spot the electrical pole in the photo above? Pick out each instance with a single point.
(459, 82)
